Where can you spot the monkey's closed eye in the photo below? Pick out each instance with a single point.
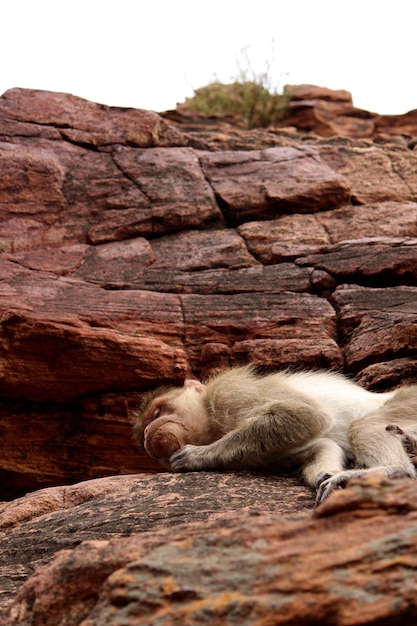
(156, 412)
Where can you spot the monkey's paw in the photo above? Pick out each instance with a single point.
(183, 459)
(327, 483)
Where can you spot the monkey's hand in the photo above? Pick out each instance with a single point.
(187, 459)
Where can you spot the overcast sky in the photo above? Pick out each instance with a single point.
(153, 53)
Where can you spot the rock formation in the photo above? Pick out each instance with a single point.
(136, 249)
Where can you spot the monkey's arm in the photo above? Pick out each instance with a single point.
(273, 435)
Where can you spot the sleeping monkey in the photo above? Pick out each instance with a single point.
(321, 422)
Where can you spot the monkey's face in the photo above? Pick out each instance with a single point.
(171, 419)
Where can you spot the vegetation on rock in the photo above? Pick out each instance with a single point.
(251, 95)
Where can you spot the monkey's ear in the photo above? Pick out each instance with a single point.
(190, 383)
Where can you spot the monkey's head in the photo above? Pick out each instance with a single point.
(171, 417)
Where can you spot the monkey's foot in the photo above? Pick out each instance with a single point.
(326, 486)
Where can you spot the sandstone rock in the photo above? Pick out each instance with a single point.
(373, 261)
(397, 124)
(91, 235)
(292, 236)
(311, 109)
(258, 278)
(353, 563)
(376, 324)
(82, 122)
(132, 255)
(81, 324)
(273, 181)
(328, 118)
(393, 171)
(34, 527)
(286, 238)
(389, 375)
(80, 196)
(383, 219)
(313, 92)
(55, 443)
(237, 329)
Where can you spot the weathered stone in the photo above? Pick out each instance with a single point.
(355, 562)
(389, 375)
(405, 124)
(196, 251)
(312, 109)
(374, 173)
(34, 527)
(260, 185)
(174, 183)
(83, 122)
(376, 324)
(97, 340)
(384, 219)
(313, 92)
(328, 118)
(369, 261)
(266, 329)
(291, 236)
(255, 279)
(102, 208)
(285, 238)
(51, 443)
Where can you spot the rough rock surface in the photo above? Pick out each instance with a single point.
(353, 562)
(133, 253)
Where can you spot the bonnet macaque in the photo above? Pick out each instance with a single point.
(319, 421)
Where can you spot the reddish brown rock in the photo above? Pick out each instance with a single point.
(314, 92)
(273, 181)
(330, 112)
(376, 324)
(389, 374)
(255, 279)
(405, 124)
(194, 251)
(311, 109)
(383, 219)
(355, 562)
(82, 122)
(374, 173)
(285, 238)
(120, 270)
(64, 443)
(80, 196)
(35, 527)
(267, 329)
(292, 236)
(374, 261)
(97, 340)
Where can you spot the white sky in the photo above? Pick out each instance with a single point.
(153, 53)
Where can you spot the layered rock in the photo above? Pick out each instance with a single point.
(134, 254)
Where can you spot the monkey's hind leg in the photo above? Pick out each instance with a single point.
(375, 450)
